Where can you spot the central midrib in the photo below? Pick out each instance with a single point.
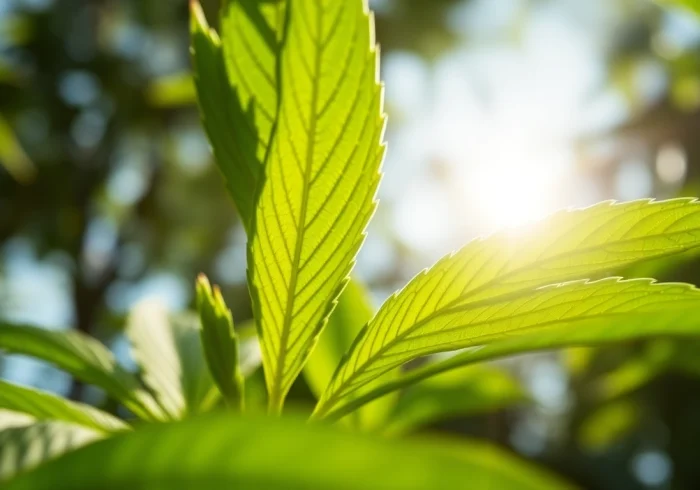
(310, 133)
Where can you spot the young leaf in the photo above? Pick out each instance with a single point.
(46, 406)
(83, 357)
(236, 452)
(508, 266)
(236, 90)
(321, 178)
(169, 352)
(569, 307)
(220, 342)
(352, 313)
(22, 448)
(460, 393)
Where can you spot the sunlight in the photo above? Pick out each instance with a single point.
(514, 185)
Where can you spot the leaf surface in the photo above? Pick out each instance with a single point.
(46, 406)
(220, 342)
(321, 178)
(681, 321)
(83, 357)
(168, 350)
(439, 309)
(24, 447)
(236, 452)
(569, 308)
(236, 89)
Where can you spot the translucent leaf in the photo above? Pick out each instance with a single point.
(22, 448)
(236, 91)
(321, 177)
(272, 454)
(168, 350)
(83, 357)
(668, 320)
(561, 309)
(220, 342)
(352, 313)
(435, 312)
(460, 393)
(47, 406)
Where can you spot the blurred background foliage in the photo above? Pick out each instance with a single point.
(500, 112)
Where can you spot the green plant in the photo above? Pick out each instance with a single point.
(292, 107)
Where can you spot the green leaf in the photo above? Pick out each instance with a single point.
(236, 452)
(321, 178)
(236, 90)
(503, 270)
(460, 393)
(352, 313)
(24, 447)
(606, 307)
(667, 321)
(168, 350)
(220, 342)
(83, 357)
(171, 91)
(46, 406)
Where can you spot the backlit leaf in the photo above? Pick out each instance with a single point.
(321, 177)
(47, 406)
(435, 312)
(218, 452)
(235, 82)
(83, 357)
(220, 342)
(22, 448)
(168, 350)
(569, 308)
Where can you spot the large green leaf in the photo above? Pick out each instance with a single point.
(236, 90)
(321, 178)
(562, 308)
(220, 342)
(667, 321)
(24, 447)
(462, 392)
(83, 357)
(46, 406)
(354, 310)
(251, 453)
(168, 350)
(435, 312)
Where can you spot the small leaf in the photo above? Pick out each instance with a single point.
(352, 313)
(22, 448)
(237, 452)
(321, 178)
(83, 357)
(220, 342)
(49, 407)
(504, 269)
(600, 311)
(460, 393)
(12, 155)
(169, 352)
(236, 91)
